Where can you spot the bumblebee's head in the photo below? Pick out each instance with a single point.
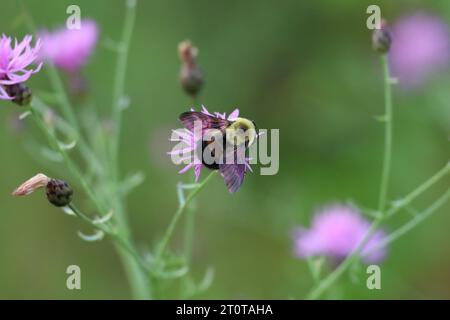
(241, 131)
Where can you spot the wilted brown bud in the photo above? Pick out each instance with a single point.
(381, 39)
(21, 93)
(191, 77)
(38, 181)
(59, 193)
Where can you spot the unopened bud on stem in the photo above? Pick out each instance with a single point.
(59, 193)
(381, 39)
(191, 77)
(21, 93)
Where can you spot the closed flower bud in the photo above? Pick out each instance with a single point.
(21, 93)
(381, 39)
(59, 193)
(191, 77)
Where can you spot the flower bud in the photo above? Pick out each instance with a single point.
(21, 93)
(191, 77)
(381, 39)
(59, 193)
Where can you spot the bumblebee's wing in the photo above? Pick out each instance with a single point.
(233, 174)
(189, 118)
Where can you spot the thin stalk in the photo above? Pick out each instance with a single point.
(414, 222)
(189, 234)
(419, 190)
(139, 281)
(138, 278)
(189, 227)
(386, 171)
(68, 113)
(119, 82)
(64, 101)
(170, 229)
(108, 231)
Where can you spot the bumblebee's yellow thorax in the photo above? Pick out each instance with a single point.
(241, 131)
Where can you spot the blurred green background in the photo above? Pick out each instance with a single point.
(305, 67)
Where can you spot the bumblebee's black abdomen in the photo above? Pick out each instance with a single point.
(214, 165)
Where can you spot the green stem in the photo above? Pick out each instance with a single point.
(189, 227)
(419, 190)
(116, 238)
(139, 281)
(412, 223)
(169, 232)
(88, 220)
(139, 278)
(189, 234)
(119, 82)
(387, 136)
(315, 266)
(64, 101)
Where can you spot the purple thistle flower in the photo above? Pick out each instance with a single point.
(14, 61)
(420, 47)
(335, 232)
(189, 142)
(69, 49)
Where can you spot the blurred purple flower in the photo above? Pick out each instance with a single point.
(335, 232)
(14, 60)
(69, 49)
(420, 47)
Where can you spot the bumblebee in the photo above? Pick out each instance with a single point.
(225, 143)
